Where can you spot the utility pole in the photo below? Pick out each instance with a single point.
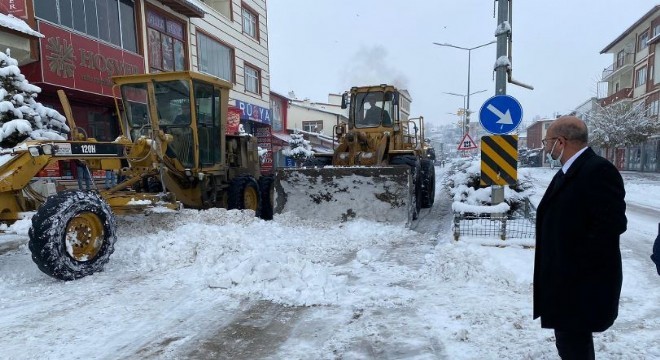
(501, 72)
(503, 22)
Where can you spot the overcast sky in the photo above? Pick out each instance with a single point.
(322, 46)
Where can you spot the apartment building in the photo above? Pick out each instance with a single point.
(634, 77)
(78, 45)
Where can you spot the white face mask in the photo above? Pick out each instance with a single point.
(549, 155)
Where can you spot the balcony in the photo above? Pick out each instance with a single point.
(618, 65)
(625, 93)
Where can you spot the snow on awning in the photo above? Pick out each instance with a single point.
(185, 7)
(284, 138)
(11, 22)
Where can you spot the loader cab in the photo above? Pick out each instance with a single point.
(189, 109)
(375, 108)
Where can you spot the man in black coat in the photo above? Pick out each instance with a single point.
(577, 264)
(656, 251)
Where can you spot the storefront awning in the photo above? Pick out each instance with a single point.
(15, 35)
(280, 139)
(184, 7)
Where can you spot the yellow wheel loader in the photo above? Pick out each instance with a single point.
(165, 161)
(379, 169)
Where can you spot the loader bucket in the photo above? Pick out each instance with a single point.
(339, 194)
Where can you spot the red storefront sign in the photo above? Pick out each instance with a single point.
(233, 120)
(51, 170)
(14, 7)
(82, 63)
(264, 139)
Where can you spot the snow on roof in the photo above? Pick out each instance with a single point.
(11, 22)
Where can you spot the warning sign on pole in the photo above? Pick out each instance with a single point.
(499, 160)
(467, 143)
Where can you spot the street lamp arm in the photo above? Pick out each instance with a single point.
(450, 45)
(482, 45)
(464, 48)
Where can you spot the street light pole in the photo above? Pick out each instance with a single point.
(465, 110)
(469, 50)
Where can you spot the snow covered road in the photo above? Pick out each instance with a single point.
(224, 285)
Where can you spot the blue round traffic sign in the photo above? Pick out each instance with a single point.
(501, 114)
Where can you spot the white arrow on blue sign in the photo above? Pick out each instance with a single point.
(501, 114)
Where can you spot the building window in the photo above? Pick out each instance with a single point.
(653, 108)
(166, 43)
(640, 76)
(620, 58)
(643, 41)
(250, 22)
(278, 114)
(214, 57)
(221, 6)
(313, 126)
(252, 77)
(656, 30)
(112, 21)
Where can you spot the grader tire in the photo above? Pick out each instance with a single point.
(428, 184)
(244, 194)
(267, 189)
(73, 235)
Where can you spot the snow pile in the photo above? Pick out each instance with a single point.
(463, 184)
(21, 116)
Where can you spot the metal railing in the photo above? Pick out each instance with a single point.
(616, 65)
(518, 225)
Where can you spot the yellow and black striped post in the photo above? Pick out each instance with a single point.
(499, 160)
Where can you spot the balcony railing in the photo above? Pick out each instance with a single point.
(627, 60)
(625, 93)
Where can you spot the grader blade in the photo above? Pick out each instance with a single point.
(338, 194)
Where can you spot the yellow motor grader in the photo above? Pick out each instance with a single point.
(164, 161)
(379, 168)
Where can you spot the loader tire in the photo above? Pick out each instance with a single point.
(244, 194)
(267, 190)
(415, 168)
(428, 183)
(73, 235)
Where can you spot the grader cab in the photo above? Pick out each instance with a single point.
(173, 152)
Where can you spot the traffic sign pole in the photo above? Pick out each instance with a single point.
(497, 192)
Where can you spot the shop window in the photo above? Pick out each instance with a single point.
(214, 57)
(250, 22)
(166, 43)
(252, 77)
(112, 21)
(221, 6)
(313, 126)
